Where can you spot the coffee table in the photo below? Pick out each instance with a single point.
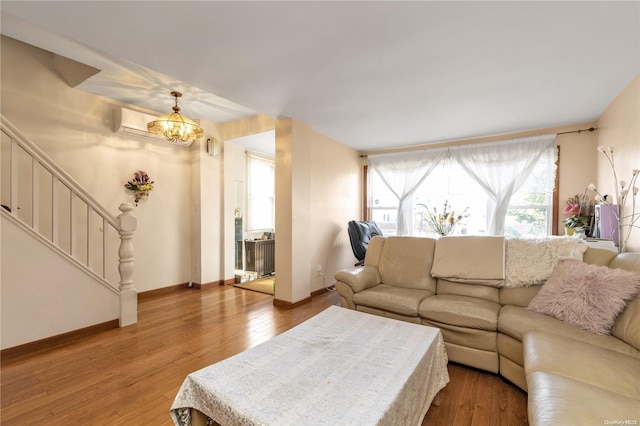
(340, 367)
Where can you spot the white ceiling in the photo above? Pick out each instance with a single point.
(264, 143)
(372, 75)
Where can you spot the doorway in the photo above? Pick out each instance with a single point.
(250, 243)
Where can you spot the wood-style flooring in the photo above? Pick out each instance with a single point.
(130, 376)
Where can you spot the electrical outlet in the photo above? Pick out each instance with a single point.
(319, 270)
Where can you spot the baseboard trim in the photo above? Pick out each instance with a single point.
(161, 291)
(30, 348)
(279, 303)
(209, 285)
(179, 287)
(322, 291)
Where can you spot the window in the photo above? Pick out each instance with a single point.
(529, 213)
(449, 183)
(530, 209)
(446, 183)
(261, 200)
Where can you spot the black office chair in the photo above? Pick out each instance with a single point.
(360, 233)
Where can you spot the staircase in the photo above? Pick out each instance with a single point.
(48, 205)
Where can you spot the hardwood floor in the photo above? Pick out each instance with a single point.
(131, 375)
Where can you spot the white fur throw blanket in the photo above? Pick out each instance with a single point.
(531, 261)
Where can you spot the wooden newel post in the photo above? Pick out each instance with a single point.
(128, 293)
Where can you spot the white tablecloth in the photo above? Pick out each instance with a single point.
(341, 367)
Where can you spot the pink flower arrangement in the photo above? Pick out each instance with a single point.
(571, 209)
(579, 209)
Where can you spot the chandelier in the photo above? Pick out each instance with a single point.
(174, 127)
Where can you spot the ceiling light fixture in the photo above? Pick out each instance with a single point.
(174, 127)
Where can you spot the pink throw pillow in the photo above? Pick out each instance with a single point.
(587, 296)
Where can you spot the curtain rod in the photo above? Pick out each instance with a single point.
(590, 129)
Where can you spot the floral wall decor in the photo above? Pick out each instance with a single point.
(140, 185)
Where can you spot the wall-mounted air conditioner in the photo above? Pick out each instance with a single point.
(133, 122)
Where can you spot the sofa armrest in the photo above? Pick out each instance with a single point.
(359, 278)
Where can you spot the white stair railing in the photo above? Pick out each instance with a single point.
(42, 198)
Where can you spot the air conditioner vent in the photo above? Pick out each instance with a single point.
(134, 123)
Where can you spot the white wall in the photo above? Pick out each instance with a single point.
(42, 294)
(207, 242)
(74, 129)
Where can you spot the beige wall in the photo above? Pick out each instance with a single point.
(74, 129)
(336, 198)
(577, 166)
(248, 126)
(317, 193)
(207, 242)
(293, 186)
(619, 127)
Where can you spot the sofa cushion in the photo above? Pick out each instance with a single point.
(477, 358)
(464, 336)
(626, 261)
(359, 278)
(627, 325)
(515, 321)
(511, 348)
(582, 361)
(587, 296)
(374, 249)
(406, 262)
(388, 314)
(519, 296)
(444, 286)
(598, 256)
(462, 311)
(400, 300)
(530, 261)
(471, 259)
(557, 400)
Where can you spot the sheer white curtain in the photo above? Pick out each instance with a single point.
(403, 172)
(502, 167)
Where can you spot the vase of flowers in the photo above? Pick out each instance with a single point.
(140, 185)
(576, 223)
(444, 222)
(580, 210)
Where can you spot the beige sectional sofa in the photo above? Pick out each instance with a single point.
(477, 289)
